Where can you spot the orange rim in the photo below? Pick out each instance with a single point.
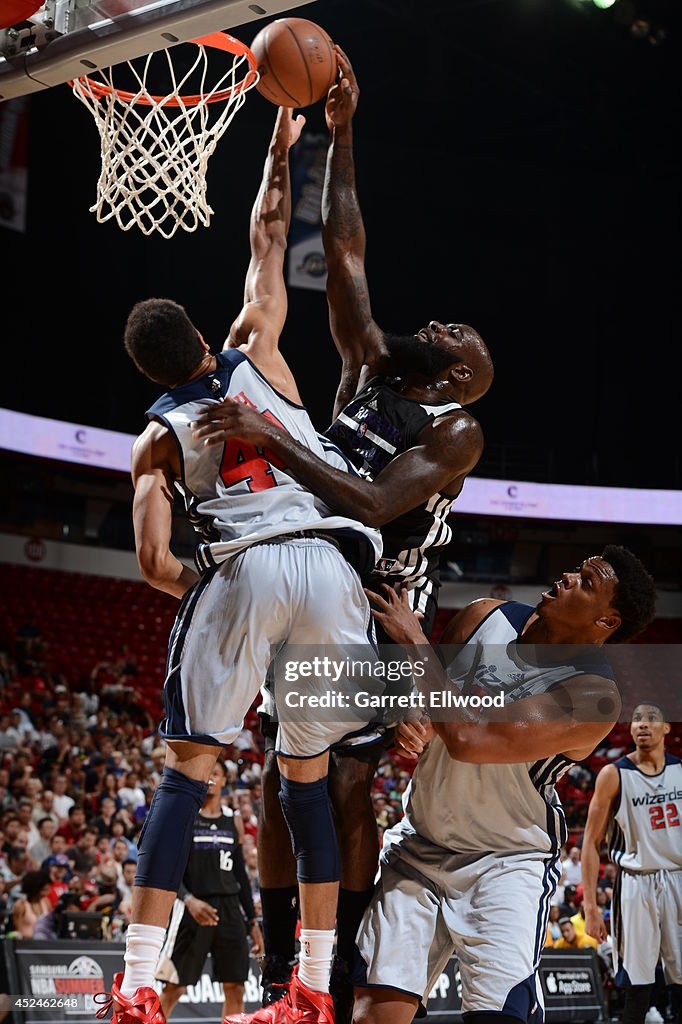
(219, 41)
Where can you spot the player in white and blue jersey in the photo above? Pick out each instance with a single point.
(275, 568)
(472, 866)
(637, 805)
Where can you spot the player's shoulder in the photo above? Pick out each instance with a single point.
(461, 626)
(455, 433)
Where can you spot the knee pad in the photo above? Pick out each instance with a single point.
(166, 837)
(308, 815)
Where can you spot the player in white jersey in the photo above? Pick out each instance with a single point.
(637, 805)
(472, 866)
(272, 575)
(403, 418)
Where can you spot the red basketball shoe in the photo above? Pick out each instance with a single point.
(143, 1007)
(300, 1005)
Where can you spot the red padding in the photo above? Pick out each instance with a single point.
(14, 11)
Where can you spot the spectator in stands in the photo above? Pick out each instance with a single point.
(25, 816)
(57, 845)
(571, 867)
(13, 871)
(132, 795)
(11, 828)
(44, 808)
(9, 734)
(122, 828)
(608, 879)
(31, 903)
(41, 848)
(20, 720)
(108, 897)
(568, 905)
(571, 939)
(73, 825)
(107, 810)
(553, 922)
(121, 853)
(59, 873)
(62, 802)
(83, 855)
(126, 880)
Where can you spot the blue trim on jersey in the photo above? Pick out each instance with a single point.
(672, 759)
(516, 613)
(625, 762)
(329, 446)
(198, 390)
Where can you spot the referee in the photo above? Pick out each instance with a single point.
(207, 916)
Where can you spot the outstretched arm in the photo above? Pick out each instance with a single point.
(359, 340)
(260, 322)
(446, 456)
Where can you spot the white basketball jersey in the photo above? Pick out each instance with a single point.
(477, 808)
(645, 831)
(237, 495)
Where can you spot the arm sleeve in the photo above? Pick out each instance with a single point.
(245, 895)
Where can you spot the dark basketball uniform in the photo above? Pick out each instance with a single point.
(373, 429)
(216, 874)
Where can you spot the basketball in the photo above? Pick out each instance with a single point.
(296, 62)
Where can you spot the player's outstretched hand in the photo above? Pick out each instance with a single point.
(288, 127)
(229, 418)
(412, 737)
(342, 98)
(393, 612)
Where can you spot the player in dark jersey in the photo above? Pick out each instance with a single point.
(400, 419)
(213, 910)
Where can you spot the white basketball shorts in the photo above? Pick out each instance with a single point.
(647, 926)
(489, 910)
(232, 624)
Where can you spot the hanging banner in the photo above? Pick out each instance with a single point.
(13, 163)
(306, 263)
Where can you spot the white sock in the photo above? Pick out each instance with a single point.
(143, 945)
(315, 958)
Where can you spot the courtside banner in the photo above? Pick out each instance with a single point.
(58, 981)
(53, 982)
(306, 263)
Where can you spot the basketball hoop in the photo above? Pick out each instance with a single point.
(155, 148)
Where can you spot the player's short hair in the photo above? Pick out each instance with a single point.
(651, 704)
(162, 341)
(635, 594)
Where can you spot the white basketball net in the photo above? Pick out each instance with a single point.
(155, 150)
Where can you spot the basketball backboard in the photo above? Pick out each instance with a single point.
(64, 39)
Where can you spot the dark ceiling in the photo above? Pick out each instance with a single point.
(517, 168)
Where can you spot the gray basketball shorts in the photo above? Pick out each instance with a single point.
(282, 595)
(647, 926)
(489, 910)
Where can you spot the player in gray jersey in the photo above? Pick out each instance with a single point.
(637, 806)
(272, 574)
(473, 865)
